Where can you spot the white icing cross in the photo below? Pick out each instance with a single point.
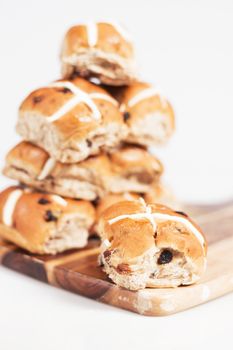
(121, 30)
(144, 94)
(9, 206)
(92, 33)
(99, 95)
(160, 216)
(12, 200)
(59, 200)
(47, 168)
(137, 216)
(79, 96)
(187, 223)
(147, 215)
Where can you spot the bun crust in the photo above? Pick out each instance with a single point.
(127, 169)
(150, 246)
(160, 193)
(43, 223)
(99, 50)
(149, 117)
(111, 199)
(71, 120)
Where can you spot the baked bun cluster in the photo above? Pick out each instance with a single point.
(83, 167)
(150, 246)
(127, 169)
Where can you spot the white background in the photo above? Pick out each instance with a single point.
(185, 48)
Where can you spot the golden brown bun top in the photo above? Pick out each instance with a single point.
(109, 40)
(159, 192)
(111, 199)
(145, 106)
(131, 156)
(32, 158)
(46, 101)
(36, 214)
(131, 238)
(134, 237)
(26, 155)
(124, 94)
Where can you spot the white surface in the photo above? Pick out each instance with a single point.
(185, 47)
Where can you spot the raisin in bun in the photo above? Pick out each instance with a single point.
(103, 50)
(71, 120)
(127, 169)
(149, 116)
(43, 223)
(150, 246)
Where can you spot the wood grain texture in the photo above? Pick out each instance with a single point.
(78, 270)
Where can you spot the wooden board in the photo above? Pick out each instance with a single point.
(78, 271)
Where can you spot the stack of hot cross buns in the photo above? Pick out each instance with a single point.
(85, 140)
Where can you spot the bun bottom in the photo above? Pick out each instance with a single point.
(38, 131)
(82, 187)
(110, 69)
(151, 130)
(66, 187)
(148, 273)
(68, 235)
